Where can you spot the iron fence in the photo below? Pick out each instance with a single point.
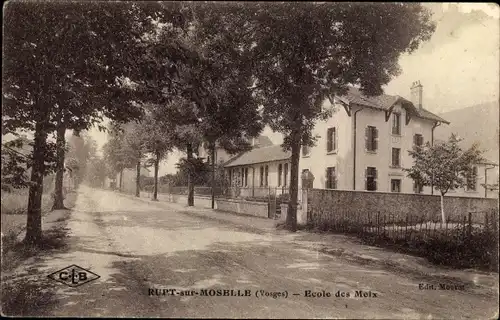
(471, 241)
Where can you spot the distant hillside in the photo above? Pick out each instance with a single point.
(475, 123)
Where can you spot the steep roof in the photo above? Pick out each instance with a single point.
(385, 102)
(259, 155)
(263, 141)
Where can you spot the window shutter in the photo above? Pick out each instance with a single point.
(280, 172)
(261, 176)
(375, 173)
(366, 179)
(329, 145)
(367, 138)
(415, 140)
(334, 178)
(327, 174)
(375, 139)
(374, 185)
(336, 139)
(267, 176)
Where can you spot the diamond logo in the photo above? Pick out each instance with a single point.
(73, 276)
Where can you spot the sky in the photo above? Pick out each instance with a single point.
(458, 67)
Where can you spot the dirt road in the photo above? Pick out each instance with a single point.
(143, 252)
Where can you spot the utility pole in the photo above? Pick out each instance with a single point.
(213, 175)
(486, 180)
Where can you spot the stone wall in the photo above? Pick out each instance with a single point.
(259, 209)
(324, 204)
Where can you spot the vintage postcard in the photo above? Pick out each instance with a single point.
(250, 160)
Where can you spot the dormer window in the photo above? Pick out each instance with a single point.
(396, 123)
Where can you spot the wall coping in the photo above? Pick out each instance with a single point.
(185, 195)
(221, 199)
(242, 201)
(401, 193)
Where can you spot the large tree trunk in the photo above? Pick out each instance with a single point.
(291, 218)
(189, 150)
(157, 166)
(58, 190)
(443, 218)
(138, 180)
(34, 219)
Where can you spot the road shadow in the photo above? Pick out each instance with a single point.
(24, 291)
(272, 266)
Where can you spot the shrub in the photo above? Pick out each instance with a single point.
(17, 202)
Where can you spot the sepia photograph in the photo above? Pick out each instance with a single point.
(250, 160)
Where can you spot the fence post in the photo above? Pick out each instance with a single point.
(494, 255)
(470, 224)
(406, 228)
(304, 205)
(378, 223)
(465, 228)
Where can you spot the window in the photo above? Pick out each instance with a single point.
(418, 140)
(307, 179)
(242, 172)
(395, 185)
(305, 151)
(266, 176)
(280, 173)
(396, 123)
(261, 176)
(246, 176)
(331, 179)
(396, 154)
(417, 187)
(371, 138)
(285, 182)
(230, 177)
(331, 143)
(371, 178)
(472, 179)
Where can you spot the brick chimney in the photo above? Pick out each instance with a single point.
(416, 94)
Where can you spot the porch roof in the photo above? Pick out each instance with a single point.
(259, 155)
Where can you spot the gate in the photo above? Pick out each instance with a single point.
(277, 196)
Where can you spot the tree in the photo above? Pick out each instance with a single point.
(96, 172)
(116, 152)
(196, 170)
(329, 47)
(57, 53)
(158, 140)
(444, 164)
(15, 161)
(212, 101)
(133, 148)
